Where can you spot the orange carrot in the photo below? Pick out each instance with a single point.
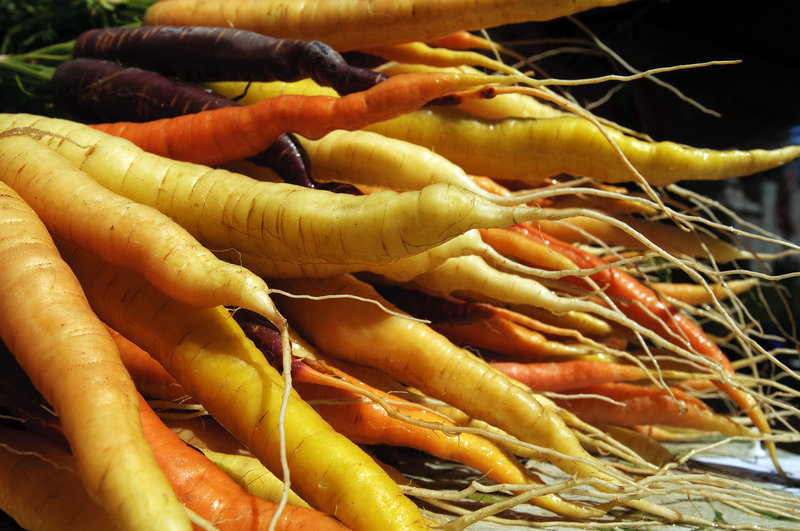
(367, 422)
(212, 494)
(47, 323)
(649, 405)
(221, 135)
(150, 377)
(566, 375)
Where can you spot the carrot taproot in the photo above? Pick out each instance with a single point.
(209, 355)
(277, 221)
(72, 360)
(407, 355)
(367, 422)
(420, 53)
(532, 150)
(354, 24)
(221, 135)
(150, 377)
(40, 487)
(125, 232)
(695, 295)
(637, 404)
(566, 375)
(252, 476)
(204, 432)
(197, 53)
(212, 494)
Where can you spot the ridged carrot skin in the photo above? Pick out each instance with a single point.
(353, 24)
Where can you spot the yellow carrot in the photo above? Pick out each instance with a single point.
(47, 323)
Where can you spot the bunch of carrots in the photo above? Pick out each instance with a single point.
(270, 238)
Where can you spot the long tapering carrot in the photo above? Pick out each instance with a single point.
(416, 355)
(212, 494)
(355, 24)
(367, 422)
(47, 323)
(640, 405)
(221, 135)
(532, 150)
(565, 375)
(277, 221)
(209, 355)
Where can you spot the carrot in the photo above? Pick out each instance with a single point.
(197, 53)
(76, 208)
(649, 405)
(229, 211)
(209, 355)
(230, 133)
(250, 474)
(566, 375)
(96, 90)
(668, 237)
(151, 379)
(695, 295)
(532, 150)
(487, 326)
(663, 318)
(40, 488)
(418, 356)
(212, 494)
(354, 24)
(463, 40)
(46, 322)
(367, 422)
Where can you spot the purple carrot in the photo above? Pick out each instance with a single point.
(95, 90)
(197, 53)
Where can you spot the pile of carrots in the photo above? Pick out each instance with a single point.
(271, 239)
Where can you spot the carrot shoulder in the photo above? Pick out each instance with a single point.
(46, 322)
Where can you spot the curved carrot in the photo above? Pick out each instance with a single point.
(221, 135)
(47, 323)
(648, 405)
(353, 24)
(212, 494)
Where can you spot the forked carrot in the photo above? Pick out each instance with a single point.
(212, 494)
(47, 323)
